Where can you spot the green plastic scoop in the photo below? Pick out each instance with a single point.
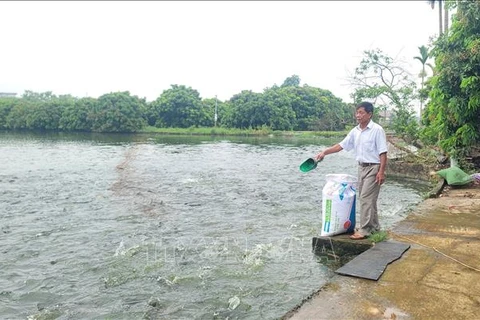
(308, 165)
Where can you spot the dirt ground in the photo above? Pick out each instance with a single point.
(437, 278)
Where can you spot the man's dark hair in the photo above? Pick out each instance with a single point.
(365, 105)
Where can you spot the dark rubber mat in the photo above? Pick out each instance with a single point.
(373, 262)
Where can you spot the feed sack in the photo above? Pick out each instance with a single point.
(338, 204)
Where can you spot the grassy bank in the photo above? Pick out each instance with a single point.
(241, 132)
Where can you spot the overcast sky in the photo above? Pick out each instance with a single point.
(89, 48)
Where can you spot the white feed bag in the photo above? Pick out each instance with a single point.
(338, 204)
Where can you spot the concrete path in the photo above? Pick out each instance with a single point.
(437, 278)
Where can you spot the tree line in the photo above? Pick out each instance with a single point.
(286, 107)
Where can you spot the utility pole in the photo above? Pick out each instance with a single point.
(216, 116)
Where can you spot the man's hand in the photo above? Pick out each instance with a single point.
(320, 156)
(380, 178)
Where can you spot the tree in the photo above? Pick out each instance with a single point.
(287, 108)
(180, 107)
(77, 117)
(443, 17)
(118, 112)
(387, 84)
(38, 96)
(6, 105)
(319, 110)
(37, 111)
(293, 81)
(46, 115)
(17, 117)
(423, 58)
(209, 105)
(245, 111)
(277, 106)
(453, 112)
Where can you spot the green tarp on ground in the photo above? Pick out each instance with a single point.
(455, 176)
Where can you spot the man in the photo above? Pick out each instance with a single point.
(369, 142)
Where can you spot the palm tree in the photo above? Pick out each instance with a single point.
(442, 17)
(445, 19)
(423, 58)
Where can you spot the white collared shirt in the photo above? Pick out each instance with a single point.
(368, 144)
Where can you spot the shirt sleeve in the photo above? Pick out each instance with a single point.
(382, 141)
(348, 143)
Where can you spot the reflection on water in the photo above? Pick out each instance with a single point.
(156, 226)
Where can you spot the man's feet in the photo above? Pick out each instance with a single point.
(357, 236)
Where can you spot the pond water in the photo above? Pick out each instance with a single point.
(165, 227)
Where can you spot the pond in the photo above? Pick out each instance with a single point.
(165, 227)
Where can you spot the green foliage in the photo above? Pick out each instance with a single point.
(319, 110)
(293, 81)
(35, 111)
(36, 97)
(453, 113)
(276, 104)
(118, 112)
(381, 79)
(378, 236)
(208, 106)
(285, 108)
(246, 110)
(424, 55)
(405, 125)
(423, 58)
(76, 116)
(17, 117)
(179, 107)
(45, 114)
(289, 107)
(6, 105)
